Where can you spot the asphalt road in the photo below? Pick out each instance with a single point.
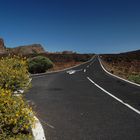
(70, 107)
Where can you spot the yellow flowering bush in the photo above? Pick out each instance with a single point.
(14, 73)
(16, 117)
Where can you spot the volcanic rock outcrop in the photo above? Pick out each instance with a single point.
(2, 46)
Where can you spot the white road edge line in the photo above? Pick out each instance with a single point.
(37, 130)
(116, 75)
(116, 98)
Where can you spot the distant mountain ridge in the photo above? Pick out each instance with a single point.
(132, 52)
(133, 55)
(27, 49)
(23, 50)
(127, 56)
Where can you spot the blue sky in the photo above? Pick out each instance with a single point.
(85, 26)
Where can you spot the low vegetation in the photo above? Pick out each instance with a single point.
(16, 117)
(14, 73)
(134, 78)
(39, 64)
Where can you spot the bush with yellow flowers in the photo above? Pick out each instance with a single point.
(16, 117)
(14, 73)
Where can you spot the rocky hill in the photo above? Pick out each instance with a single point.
(28, 49)
(24, 50)
(2, 46)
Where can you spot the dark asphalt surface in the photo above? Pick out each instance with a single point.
(70, 107)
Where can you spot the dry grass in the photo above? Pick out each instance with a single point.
(64, 65)
(123, 69)
(123, 64)
(114, 69)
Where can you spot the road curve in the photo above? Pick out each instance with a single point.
(71, 107)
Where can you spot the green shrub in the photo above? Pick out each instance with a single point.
(14, 73)
(39, 64)
(134, 78)
(16, 117)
